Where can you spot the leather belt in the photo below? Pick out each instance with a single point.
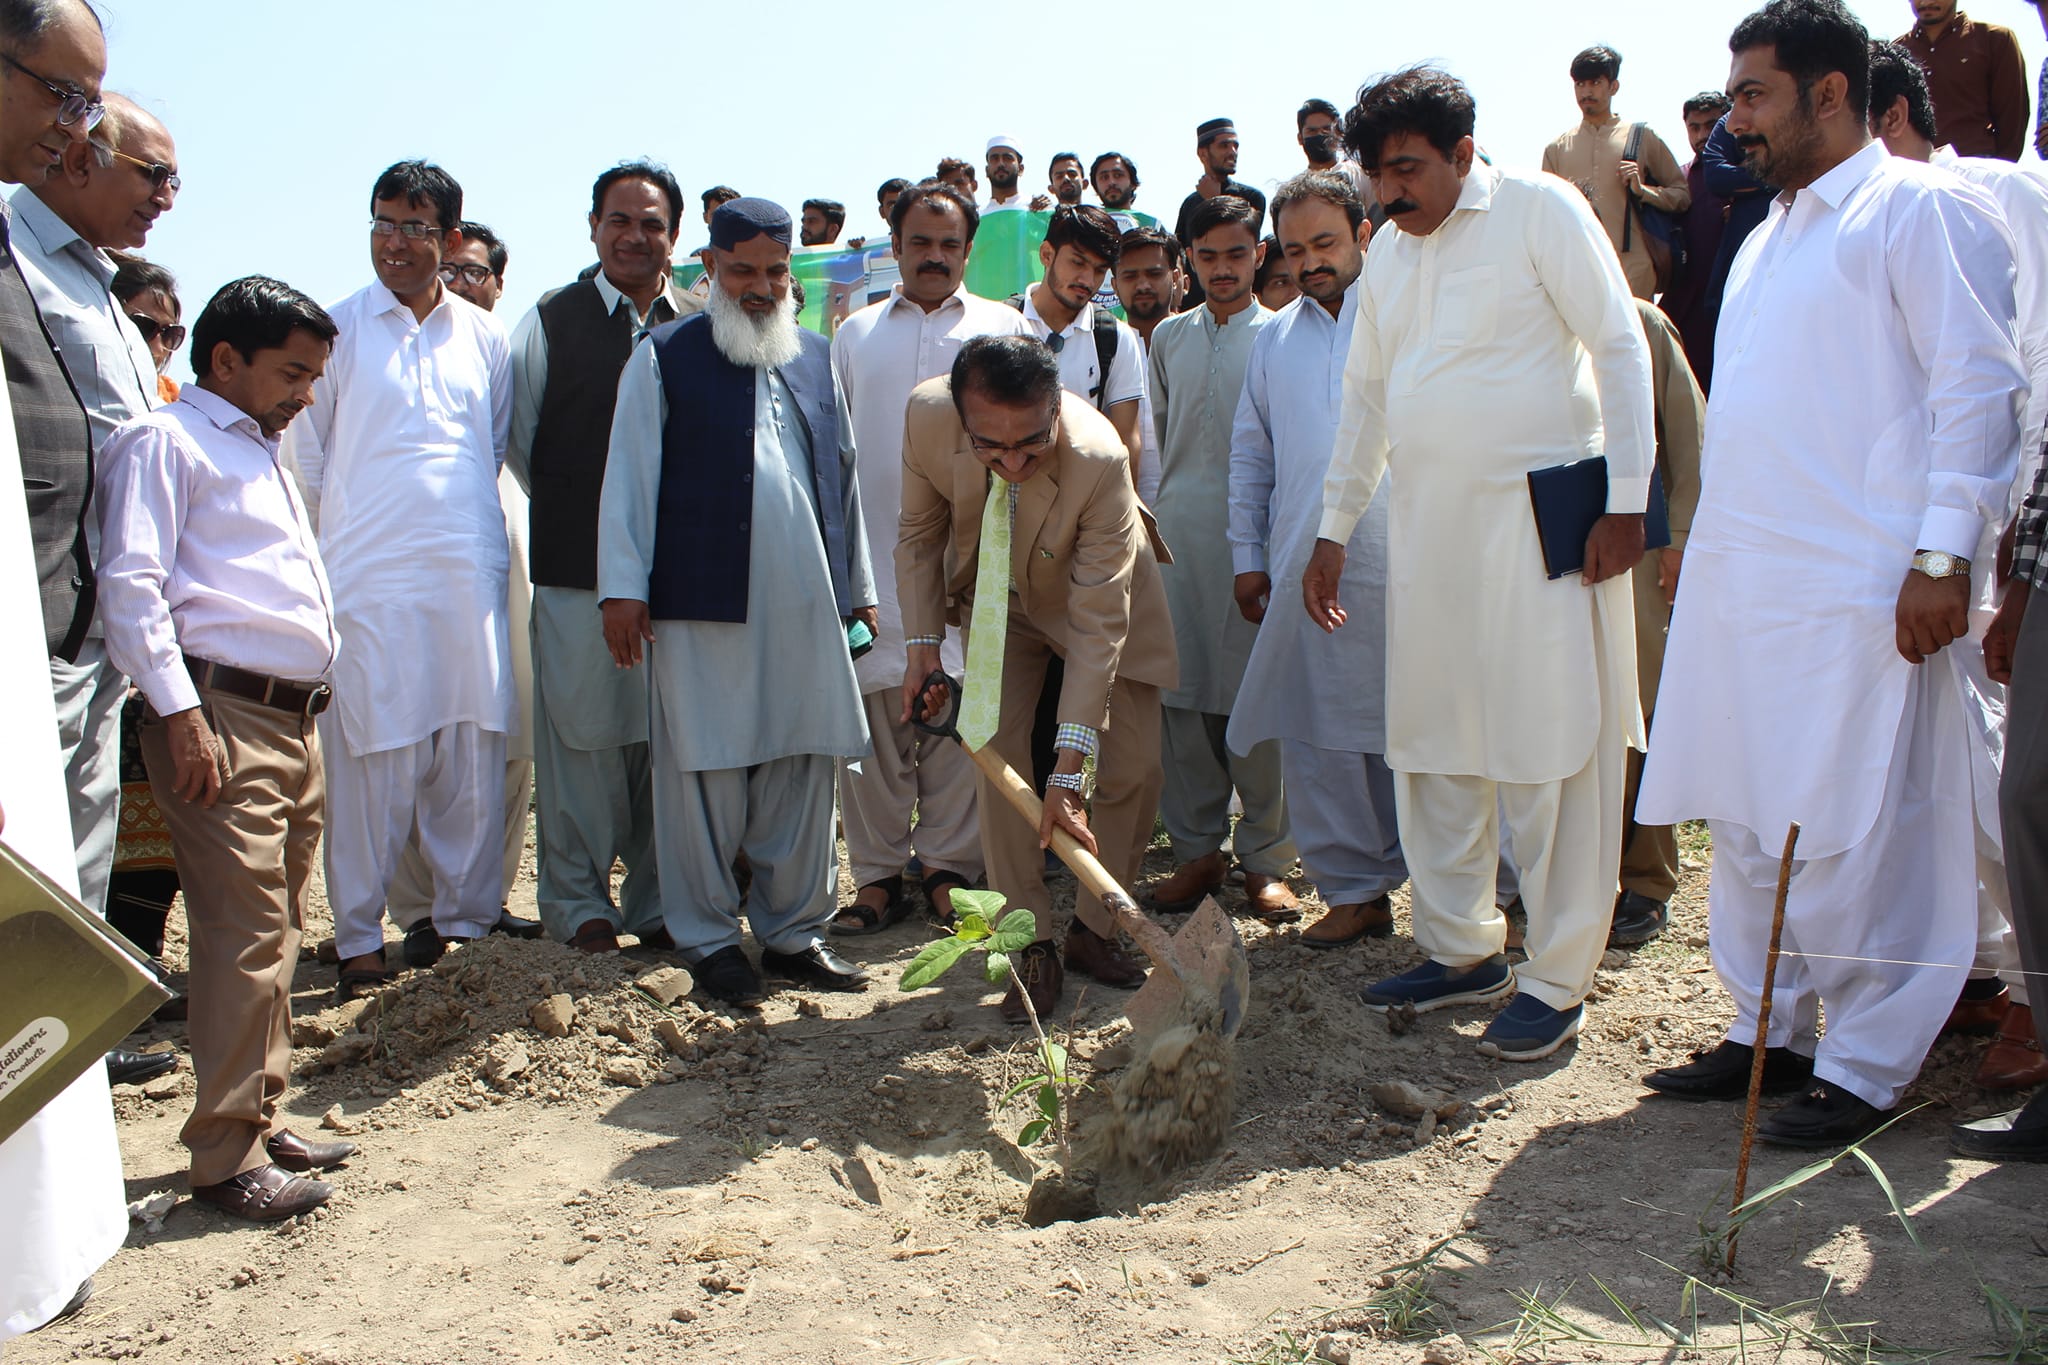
(300, 699)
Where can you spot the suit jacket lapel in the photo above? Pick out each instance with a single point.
(1035, 498)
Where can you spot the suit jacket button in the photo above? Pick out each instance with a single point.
(743, 526)
(77, 582)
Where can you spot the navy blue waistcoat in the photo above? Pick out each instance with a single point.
(703, 518)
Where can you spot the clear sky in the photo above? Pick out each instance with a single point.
(284, 111)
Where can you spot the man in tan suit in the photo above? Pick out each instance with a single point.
(1083, 570)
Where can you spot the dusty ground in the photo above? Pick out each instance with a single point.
(832, 1181)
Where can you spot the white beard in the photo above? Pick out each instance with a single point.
(768, 340)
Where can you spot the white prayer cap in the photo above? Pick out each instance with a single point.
(1004, 140)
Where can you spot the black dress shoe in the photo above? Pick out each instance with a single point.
(294, 1153)
(423, 945)
(817, 967)
(510, 924)
(728, 975)
(267, 1194)
(1825, 1116)
(1722, 1073)
(2021, 1135)
(1637, 920)
(138, 1068)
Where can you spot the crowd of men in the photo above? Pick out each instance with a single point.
(1250, 526)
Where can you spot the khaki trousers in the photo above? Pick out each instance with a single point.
(1128, 779)
(244, 864)
(1649, 853)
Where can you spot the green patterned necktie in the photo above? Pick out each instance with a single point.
(982, 707)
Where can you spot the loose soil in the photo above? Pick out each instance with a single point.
(831, 1179)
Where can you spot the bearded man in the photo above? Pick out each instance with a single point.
(730, 515)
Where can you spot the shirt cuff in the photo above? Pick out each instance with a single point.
(169, 689)
(1946, 528)
(1628, 497)
(1337, 525)
(1081, 739)
(1248, 559)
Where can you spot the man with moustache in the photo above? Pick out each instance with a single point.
(1332, 740)
(593, 773)
(1081, 247)
(219, 607)
(60, 1174)
(1196, 374)
(1499, 319)
(1148, 283)
(1845, 705)
(106, 195)
(731, 559)
(398, 458)
(821, 223)
(1114, 177)
(879, 355)
(1216, 148)
(1004, 163)
(1977, 77)
(1063, 178)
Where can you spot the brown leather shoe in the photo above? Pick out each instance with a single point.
(1982, 1016)
(1188, 884)
(267, 1194)
(294, 1153)
(595, 936)
(1271, 898)
(1347, 924)
(1105, 959)
(2014, 1061)
(1037, 969)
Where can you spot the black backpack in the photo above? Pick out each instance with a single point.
(1105, 349)
(1663, 233)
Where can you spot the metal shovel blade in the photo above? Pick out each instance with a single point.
(1212, 966)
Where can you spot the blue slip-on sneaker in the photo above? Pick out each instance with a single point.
(1432, 986)
(1528, 1029)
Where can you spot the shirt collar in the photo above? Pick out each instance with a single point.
(1477, 191)
(53, 233)
(224, 414)
(956, 299)
(1944, 155)
(1958, 26)
(1083, 320)
(1834, 187)
(611, 294)
(388, 302)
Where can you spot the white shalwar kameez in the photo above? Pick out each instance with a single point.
(399, 458)
(63, 1209)
(1503, 342)
(1867, 391)
(1322, 696)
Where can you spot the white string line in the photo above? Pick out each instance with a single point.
(1902, 962)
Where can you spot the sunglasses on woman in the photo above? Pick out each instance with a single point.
(173, 333)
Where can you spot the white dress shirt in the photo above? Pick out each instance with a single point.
(398, 459)
(1503, 342)
(206, 553)
(1081, 369)
(1867, 391)
(880, 354)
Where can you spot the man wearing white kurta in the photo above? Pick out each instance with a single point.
(1195, 375)
(731, 556)
(399, 460)
(879, 355)
(1496, 336)
(1340, 792)
(1859, 451)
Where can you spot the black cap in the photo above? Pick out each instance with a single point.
(1213, 129)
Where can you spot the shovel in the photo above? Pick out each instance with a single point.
(1200, 973)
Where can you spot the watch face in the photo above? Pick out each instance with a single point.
(1938, 564)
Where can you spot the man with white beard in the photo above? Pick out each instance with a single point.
(731, 516)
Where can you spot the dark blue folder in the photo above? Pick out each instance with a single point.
(1569, 498)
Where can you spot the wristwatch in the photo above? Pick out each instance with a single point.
(1940, 564)
(1066, 781)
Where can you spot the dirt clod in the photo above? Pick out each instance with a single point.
(553, 1015)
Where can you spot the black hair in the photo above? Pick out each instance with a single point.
(417, 183)
(1087, 227)
(834, 211)
(1139, 238)
(934, 194)
(950, 164)
(889, 187)
(1708, 102)
(494, 247)
(25, 23)
(1273, 263)
(1317, 106)
(1012, 371)
(1130, 167)
(1221, 211)
(134, 276)
(655, 174)
(717, 195)
(255, 313)
(1329, 186)
(1812, 38)
(1423, 100)
(1058, 157)
(1599, 62)
(1894, 74)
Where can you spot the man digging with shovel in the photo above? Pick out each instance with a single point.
(1020, 522)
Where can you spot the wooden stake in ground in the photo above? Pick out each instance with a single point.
(1763, 1028)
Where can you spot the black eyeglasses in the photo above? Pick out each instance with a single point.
(73, 104)
(474, 274)
(1023, 447)
(161, 177)
(173, 333)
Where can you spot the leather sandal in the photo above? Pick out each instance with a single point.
(938, 894)
(858, 919)
(356, 982)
